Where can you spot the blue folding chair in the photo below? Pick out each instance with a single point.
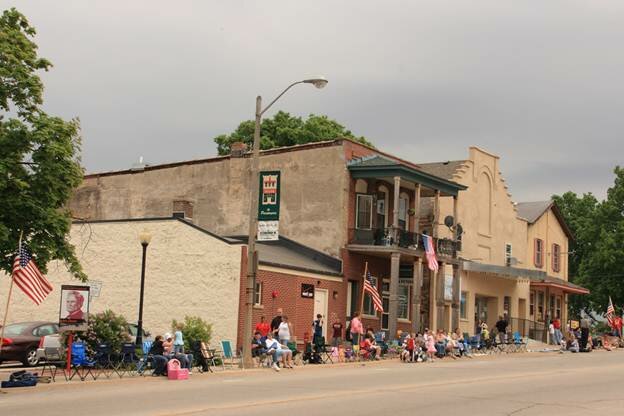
(143, 365)
(227, 353)
(80, 364)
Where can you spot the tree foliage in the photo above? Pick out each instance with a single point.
(193, 329)
(39, 157)
(286, 130)
(597, 261)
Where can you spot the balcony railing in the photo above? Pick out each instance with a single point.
(396, 237)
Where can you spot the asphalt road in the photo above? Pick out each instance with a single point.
(517, 384)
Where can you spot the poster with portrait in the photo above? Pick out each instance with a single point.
(74, 309)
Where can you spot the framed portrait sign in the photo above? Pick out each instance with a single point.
(74, 309)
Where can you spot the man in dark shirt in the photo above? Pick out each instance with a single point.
(501, 326)
(317, 326)
(157, 353)
(275, 323)
(257, 345)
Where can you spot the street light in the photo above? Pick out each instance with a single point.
(144, 237)
(252, 256)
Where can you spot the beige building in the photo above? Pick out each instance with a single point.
(188, 272)
(514, 256)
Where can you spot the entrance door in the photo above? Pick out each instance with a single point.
(320, 306)
(481, 310)
(385, 316)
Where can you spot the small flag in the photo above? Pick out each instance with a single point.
(372, 291)
(610, 312)
(432, 260)
(27, 277)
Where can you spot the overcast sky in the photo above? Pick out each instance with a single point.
(537, 82)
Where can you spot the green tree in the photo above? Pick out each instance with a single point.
(286, 130)
(598, 259)
(39, 160)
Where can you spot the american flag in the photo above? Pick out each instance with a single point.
(610, 312)
(372, 291)
(432, 260)
(27, 277)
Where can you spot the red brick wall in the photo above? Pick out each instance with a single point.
(300, 311)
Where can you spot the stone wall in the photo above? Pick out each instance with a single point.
(188, 272)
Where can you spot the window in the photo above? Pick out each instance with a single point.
(368, 302)
(551, 309)
(532, 304)
(507, 307)
(404, 292)
(540, 306)
(507, 254)
(45, 330)
(558, 310)
(462, 305)
(364, 212)
(258, 294)
(556, 257)
(538, 255)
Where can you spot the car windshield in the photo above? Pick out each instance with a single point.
(15, 329)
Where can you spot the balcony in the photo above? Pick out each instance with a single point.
(396, 237)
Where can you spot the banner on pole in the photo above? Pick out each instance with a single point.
(268, 230)
(74, 309)
(269, 196)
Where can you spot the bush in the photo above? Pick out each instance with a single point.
(104, 328)
(193, 329)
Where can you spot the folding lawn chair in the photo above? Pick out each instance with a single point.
(80, 363)
(128, 360)
(53, 362)
(103, 361)
(227, 353)
(519, 342)
(323, 349)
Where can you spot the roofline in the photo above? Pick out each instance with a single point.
(298, 268)
(183, 221)
(555, 209)
(246, 155)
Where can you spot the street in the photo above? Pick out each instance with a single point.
(518, 384)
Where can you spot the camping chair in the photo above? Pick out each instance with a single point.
(80, 364)
(53, 361)
(227, 353)
(203, 356)
(292, 346)
(103, 362)
(365, 354)
(128, 360)
(380, 341)
(519, 342)
(323, 349)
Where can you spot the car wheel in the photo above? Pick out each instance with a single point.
(30, 359)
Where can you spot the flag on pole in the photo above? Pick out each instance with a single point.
(432, 260)
(610, 313)
(370, 288)
(27, 277)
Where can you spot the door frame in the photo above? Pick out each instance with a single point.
(325, 312)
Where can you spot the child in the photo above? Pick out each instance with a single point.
(430, 345)
(178, 343)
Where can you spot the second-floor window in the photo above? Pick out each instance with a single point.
(556, 258)
(364, 212)
(508, 254)
(538, 255)
(403, 207)
(258, 294)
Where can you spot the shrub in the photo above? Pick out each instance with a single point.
(193, 329)
(104, 328)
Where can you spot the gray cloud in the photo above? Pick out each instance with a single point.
(538, 83)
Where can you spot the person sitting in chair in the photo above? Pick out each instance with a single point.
(258, 346)
(279, 352)
(157, 353)
(186, 360)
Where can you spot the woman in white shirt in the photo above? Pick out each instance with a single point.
(284, 331)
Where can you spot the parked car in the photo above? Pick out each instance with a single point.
(22, 339)
(54, 340)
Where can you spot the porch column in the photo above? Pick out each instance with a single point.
(547, 316)
(433, 299)
(395, 209)
(440, 297)
(436, 214)
(456, 297)
(395, 262)
(417, 279)
(416, 228)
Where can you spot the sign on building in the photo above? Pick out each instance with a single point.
(448, 287)
(268, 206)
(307, 291)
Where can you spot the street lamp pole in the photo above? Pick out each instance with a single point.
(252, 255)
(145, 238)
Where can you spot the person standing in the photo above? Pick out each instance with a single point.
(336, 333)
(584, 334)
(557, 327)
(284, 331)
(263, 327)
(501, 326)
(551, 333)
(317, 326)
(357, 330)
(277, 320)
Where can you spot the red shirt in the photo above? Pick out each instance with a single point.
(557, 324)
(263, 328)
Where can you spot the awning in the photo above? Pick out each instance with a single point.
(557, 283)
